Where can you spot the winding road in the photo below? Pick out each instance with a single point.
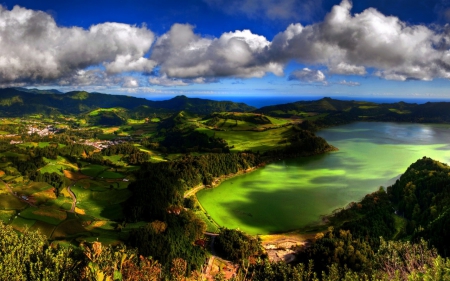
(74, 198)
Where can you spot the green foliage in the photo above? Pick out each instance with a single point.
(237, 246)
(167, 241)
(133, 154)
(161, 185)
(28, 256)
(422, 195)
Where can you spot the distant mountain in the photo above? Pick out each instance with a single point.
(331, 111)
(20, 101)
(37, 91)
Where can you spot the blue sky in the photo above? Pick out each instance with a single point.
(396, 48)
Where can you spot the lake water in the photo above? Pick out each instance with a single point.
(290, 194)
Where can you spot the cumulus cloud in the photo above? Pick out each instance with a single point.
(307, 75)
(349, 83)
(271, 9)
(348, 44)
(166, 82)
(34, 49)
(182, 53)
(130, 82)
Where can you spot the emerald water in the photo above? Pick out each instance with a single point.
(290, 194)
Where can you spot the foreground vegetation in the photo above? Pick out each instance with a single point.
(91, 193)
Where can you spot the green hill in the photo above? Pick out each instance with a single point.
(18, 102)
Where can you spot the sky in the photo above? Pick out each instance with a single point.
(261, 48)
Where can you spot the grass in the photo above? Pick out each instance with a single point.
(93, 170)
(106, 136)
(101, 204)
(21, 224)
(368, 106)
(69, 228)
(115, 159)
(10, 202)
(210, 225)
(100, 110)
(400, 225)
(61, 202)
(6, 215)
(398, 111)
(108, 174)
(43, 227)
(46, 214)
(251, 140)
(53, 168)
(278, 121)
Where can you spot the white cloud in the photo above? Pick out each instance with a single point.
(349, 83)
(130, 82)
(348, 44)
(307, 75)
(35, 50)
(165, 81)
(183, 54)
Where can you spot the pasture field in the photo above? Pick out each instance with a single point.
(68, 229)
(251, 140)
(21, 224)
(278, 121)
(61, 202)
(10, 202)
(30, 188)
(110, 174)
(116, 160)
(101, 204)
(6, 215)
(93, 170)
(106, 136)
(74, 175)
(43, 227)
(100, 110)
(46, 214)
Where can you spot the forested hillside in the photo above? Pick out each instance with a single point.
(367, 241)
(18, 102)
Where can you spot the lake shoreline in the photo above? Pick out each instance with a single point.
(218, 180)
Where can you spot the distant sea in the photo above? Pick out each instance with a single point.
(259, 102)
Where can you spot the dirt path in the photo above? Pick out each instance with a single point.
(74, 198)
(193, 191)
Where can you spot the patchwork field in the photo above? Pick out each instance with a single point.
(251, 140)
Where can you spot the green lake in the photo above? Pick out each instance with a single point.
(290, 194)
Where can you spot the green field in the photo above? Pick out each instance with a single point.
(101, 204)
(109, 174)
(116, 160)
(10, 202)
(93, 170)
(100, 110)
(252, 140)
(46, 214)
(6, 215)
